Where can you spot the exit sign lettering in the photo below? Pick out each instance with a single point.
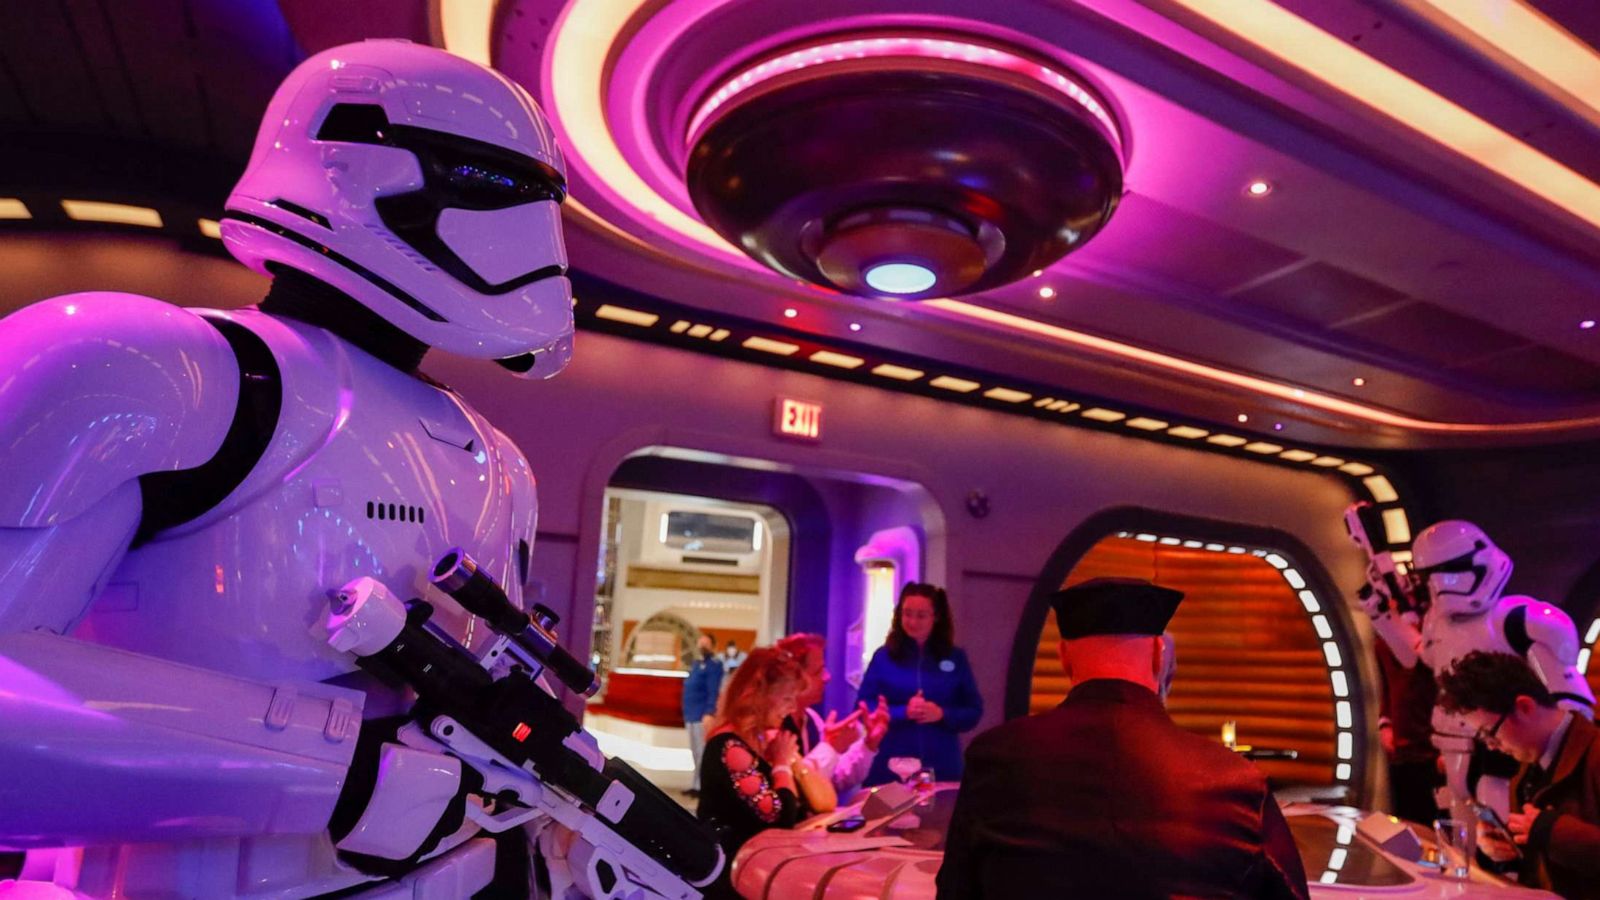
(798, 419)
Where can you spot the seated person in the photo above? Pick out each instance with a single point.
(746, 773)
(1104, 796)
(1555, 816)
(839, 750)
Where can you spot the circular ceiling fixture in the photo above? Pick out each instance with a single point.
(907, 167)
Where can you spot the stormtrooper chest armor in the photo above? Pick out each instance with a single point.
(1445, 639)
(369, 471)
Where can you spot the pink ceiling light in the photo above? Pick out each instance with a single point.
(901, 46)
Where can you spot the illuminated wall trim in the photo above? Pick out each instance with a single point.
(1590, 636)
(629, 314)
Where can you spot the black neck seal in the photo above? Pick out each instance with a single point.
(296, 295)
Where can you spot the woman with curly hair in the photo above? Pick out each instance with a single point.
(746, 774)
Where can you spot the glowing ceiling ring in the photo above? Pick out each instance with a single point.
(588, 29)
(908, 46)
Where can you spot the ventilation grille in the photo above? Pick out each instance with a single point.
(396, 512)
(708, 561)
(405, 249)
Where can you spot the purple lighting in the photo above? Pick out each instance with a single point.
(1586, 324)
(879, 47)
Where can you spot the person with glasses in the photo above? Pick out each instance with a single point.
(839, 749)
(928, 684)
(1555, 819)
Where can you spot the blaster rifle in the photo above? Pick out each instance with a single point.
(534, 757)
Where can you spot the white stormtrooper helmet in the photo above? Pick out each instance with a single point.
(425, 186)
(1463, 571)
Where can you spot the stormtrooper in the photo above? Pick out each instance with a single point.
(1449, 604)
(210, 683)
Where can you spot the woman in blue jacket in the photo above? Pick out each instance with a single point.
(928, 683)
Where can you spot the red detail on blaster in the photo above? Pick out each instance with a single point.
(521, 732)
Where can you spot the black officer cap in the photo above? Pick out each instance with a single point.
(1114, 606)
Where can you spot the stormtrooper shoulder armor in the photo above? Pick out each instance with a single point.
(1529, 621)
(98, 389)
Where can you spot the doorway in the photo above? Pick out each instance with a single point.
(1265, 661)
(748, 550)
(673, 568)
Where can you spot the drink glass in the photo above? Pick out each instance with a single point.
(1457, 844)
(904, 766)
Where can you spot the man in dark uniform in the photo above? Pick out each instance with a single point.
(1104, 796)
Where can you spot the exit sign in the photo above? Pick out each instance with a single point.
(797, 419)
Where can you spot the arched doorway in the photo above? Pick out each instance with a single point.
(1261, 640)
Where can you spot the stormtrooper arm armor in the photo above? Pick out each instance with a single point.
(1549, 642)
(95, 391)
(1398, 632)
(1385, 595)
(101, 745)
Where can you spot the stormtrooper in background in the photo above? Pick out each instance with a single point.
(183, 488)
(1461, 574)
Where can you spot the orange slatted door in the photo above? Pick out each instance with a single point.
(1246, 652)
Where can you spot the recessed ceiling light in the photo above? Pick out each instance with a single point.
(855, 326)
(1586, 324)
(1277, 426)
(1258, 188)
(1047, 292)
(1359, 382)
(1243, 417)
(1037, 272)
(790, 313)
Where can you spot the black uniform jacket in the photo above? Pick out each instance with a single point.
(1105, 797)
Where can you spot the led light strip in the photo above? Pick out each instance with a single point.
(903, 46)
(584, 37)
(1540, 51)
(1332, 654)
(829, 361)
(1589, 639)
(1273, 389)
(1297, 43)
(103, 212)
